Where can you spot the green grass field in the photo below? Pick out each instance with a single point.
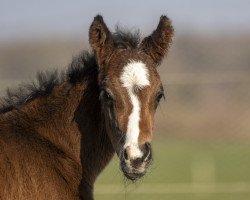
(187, 171)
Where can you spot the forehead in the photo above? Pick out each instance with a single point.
(131, 68)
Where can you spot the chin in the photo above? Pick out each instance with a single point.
(133, 174)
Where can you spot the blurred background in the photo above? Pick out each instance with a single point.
(202, 130)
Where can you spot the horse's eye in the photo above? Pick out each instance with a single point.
(159, 97)
(106, 97)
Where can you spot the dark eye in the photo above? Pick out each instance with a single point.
(106, 97)
(159, 96)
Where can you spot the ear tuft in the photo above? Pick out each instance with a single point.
(165, 25)
(98, 18)
(156, 45)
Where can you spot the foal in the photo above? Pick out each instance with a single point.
(56, 136)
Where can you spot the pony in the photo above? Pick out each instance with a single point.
(58, 133)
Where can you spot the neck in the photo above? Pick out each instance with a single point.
(51, 118)
(96, 147)
(70, 119)
(82, 134)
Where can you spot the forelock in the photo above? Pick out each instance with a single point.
(126, 39)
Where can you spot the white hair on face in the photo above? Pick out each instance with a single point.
(134, 75)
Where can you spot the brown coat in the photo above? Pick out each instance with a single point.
(40, 142)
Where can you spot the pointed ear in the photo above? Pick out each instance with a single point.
(156, 45)
(100, 40)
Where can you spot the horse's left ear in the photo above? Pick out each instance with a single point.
(156, 45)
(100, 39)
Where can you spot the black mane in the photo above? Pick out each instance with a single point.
(42, 86)
(81, 67)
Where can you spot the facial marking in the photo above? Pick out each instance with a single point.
(134, 75)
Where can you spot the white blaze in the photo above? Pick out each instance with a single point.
(134, 75)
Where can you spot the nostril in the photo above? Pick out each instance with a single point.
(147, 151)
(125, 154)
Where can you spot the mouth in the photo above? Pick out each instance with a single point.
(133, 176)
(132, 167)
(131, 173)
(134, 173)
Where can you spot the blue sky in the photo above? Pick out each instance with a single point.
(30, 18)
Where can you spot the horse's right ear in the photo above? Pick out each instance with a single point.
(100, 39)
